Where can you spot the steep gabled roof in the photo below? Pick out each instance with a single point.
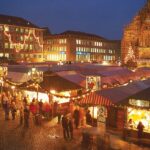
(13, 20)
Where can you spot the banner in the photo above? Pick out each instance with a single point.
(93, 83)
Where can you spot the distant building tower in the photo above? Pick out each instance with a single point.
(137, 34)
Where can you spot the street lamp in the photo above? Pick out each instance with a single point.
(3, 74)
(36, 76)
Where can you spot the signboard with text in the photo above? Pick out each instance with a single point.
(139, 103)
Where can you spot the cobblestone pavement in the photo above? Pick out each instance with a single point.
(48, 136)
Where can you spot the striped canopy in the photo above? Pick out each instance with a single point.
(95, 99)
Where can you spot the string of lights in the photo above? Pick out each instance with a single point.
(19, 46)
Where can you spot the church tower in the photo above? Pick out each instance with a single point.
(137, 35)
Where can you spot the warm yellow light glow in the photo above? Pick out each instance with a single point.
(137, 115)
(60, 100)
(12, 87)
(41, 96)
(105, 63)
(19, 46)
(53, 91)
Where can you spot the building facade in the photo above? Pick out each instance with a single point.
(80, 46)
(20, 40)
(135, 43)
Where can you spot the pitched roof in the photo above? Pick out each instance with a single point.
(52, 81)
(13, 20)
(81, 34)
(121, 94)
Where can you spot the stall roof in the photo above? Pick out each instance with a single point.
(51, 81)
(119, 94)
(73, 76)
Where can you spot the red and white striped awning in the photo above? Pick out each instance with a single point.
(95, 99)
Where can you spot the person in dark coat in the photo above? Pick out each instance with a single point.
(40, 107)
(76, 116)
(88, 117)
(70, 125)
(65, 127)
(140, 128)
(13, 110)
(26, 116)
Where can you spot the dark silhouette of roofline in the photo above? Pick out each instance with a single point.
(18, 21)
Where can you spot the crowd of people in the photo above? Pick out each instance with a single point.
(12, 106)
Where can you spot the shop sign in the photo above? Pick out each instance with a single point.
(139, 103)
(93, 82)
(101, 114)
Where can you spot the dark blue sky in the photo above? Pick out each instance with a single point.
(102, 17)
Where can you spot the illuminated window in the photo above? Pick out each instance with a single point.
(1, 28)
(6, 45)
(26, 46)
(6, 28)
(21, 46)
(26, 30)
(21, 38)
(78, 42)
(31, 38)
(11, 46)
(62, 41)
(17, 29)
(21, 30)
(31, 47)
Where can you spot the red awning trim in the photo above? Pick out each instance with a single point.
(95, 99)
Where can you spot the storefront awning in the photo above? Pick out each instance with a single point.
(95, 99)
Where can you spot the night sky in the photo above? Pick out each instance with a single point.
(102, 17)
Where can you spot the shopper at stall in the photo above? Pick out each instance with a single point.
(76, 116)
(130, 123)
(88, 118)
(140, 128)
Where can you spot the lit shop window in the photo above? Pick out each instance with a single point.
(78, 42)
